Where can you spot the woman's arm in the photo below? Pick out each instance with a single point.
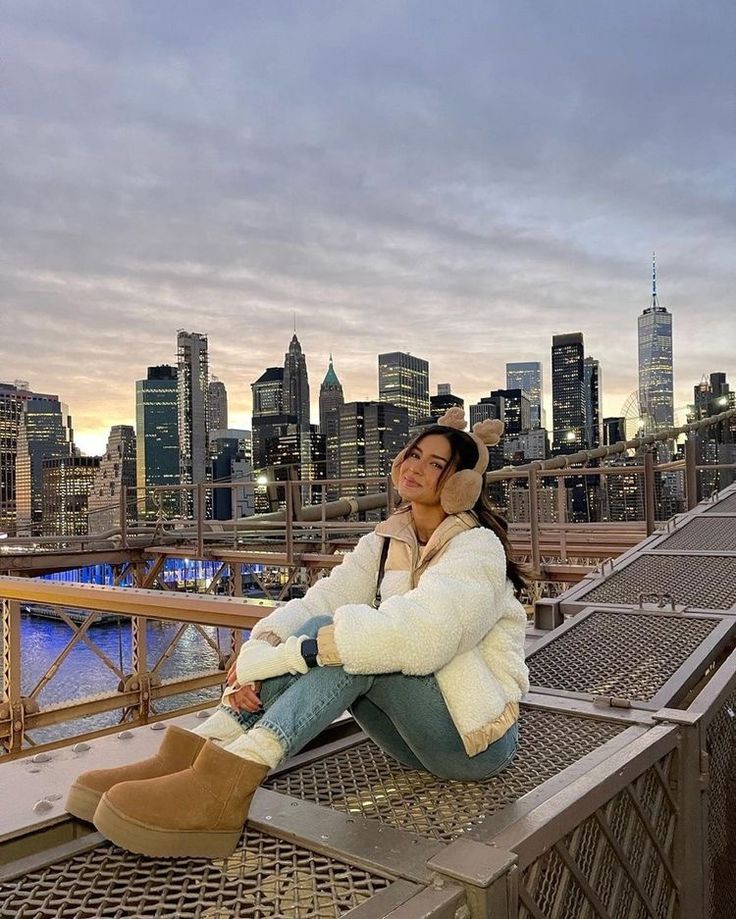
(352, 581)
(456, 602)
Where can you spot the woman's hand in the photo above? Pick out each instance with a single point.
(245, 698)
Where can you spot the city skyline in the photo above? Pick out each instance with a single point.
(86, 440)
(461, 186)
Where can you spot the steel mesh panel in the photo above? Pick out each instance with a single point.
(630, 656)
(266, 877)
(704, 533)
(364, 780)
(705, 581)
(721, 839)
(614, 855)
(727, 506)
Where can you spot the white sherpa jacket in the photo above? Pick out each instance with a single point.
(447, 608)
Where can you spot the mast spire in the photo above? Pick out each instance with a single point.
(654, 279)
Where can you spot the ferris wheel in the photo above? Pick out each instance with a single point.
(638, 421)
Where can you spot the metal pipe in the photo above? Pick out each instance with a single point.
(650, 504)
(691, 474)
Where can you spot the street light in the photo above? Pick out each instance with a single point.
(262, 480)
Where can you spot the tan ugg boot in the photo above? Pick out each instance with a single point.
(178, 750)
(198, 812)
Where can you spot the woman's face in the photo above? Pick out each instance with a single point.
(422, 468)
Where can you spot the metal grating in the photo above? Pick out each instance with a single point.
(727, 506)
(364, 780)
(705, 581)
(628, 655)
(704, 533)
(610, 863)
(266, 877)
(721, 831)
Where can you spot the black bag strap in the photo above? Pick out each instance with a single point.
(381, 570)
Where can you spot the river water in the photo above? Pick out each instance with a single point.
(83, 673)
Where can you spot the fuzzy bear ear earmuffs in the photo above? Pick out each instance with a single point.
(463, 488)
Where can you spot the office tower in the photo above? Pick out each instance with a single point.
(513, 409)
(593, 389)
(296, 384)
(614, 430)
(370, 434)
(715, 444)
(117, 468)
(569, 418)
(443, 401)
(11, 407)
(193, 383)
(217, 408)
(302, 450)
(44, 432)
(331, 399)
(403, 380)
(65, 485)
(483, 409)
(527, 376)
(655, 364)
(157, 440)
(230, 451)
(622, 495)
(526, 446)
(268, 411)
(568, 393)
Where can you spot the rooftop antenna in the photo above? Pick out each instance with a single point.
(295, 322)
(654, 279)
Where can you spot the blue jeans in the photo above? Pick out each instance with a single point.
(405, 715)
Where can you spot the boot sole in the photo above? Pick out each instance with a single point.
(82, 802)
(147, 840)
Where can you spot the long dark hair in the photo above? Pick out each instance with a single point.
(464, 456)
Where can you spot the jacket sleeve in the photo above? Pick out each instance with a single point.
(455, 604)
(352, 581)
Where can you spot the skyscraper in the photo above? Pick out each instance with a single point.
(593, 389)
(568, 393)
(371, 434)
(11, 407)
(403, 380)
(157, 437)
(268, 411)
(655, 364)
(193, 403)
(45, 432)
(331, 399)
(217, 409)
(117, 469)
(569, 416)
(715, 444)
(66, 482)
(296, 384)
(513, 409)
(527, 376)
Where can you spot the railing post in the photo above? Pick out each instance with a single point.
(12, 705)
(650, 504)
(691, 472)
(141, 680)
(289, 523)
(124, 516)
(534, 519)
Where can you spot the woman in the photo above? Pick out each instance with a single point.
(428, 657)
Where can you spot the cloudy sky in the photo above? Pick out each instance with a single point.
(458, 180)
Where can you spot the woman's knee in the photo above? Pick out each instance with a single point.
(313, 625)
